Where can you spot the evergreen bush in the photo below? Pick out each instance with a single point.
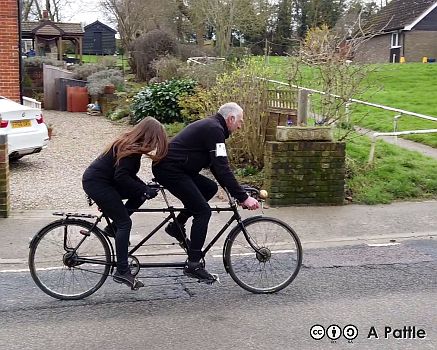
(160, 101)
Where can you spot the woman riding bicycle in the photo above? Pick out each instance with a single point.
(112, 177)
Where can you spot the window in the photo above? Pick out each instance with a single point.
(395, 39)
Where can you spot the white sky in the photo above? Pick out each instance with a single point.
(86, 12)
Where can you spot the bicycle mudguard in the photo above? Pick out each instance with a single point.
(87, 224)
(245, 221)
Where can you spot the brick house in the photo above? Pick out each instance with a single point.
(9, 50)
(403, 28)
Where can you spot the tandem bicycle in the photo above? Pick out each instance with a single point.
(70, 258)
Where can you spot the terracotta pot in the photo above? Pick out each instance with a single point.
(109, 89)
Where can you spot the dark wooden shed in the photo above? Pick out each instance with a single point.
(99, 39)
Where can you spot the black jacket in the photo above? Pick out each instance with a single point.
(122, 176)
(195, 148)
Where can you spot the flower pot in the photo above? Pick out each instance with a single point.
(109, 89)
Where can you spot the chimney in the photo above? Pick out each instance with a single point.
(45, 15)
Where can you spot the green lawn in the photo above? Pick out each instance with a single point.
(396, 174)
(411, 87)
(122, 61)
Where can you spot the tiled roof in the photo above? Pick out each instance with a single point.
(50, 28)
(397, 14)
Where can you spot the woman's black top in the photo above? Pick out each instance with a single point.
(122, 176)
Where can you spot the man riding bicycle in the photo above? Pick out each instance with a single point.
(201, 145)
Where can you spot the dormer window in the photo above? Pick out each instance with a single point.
(395, 39)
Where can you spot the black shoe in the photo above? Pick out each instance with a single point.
(197, 270)
(173, 230)
(128, 279)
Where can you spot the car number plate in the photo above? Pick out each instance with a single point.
(21, 124)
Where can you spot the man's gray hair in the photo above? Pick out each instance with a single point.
(231, 108)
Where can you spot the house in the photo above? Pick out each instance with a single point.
(403, 28)
(10, 54)
(99, 39)
(48, 37)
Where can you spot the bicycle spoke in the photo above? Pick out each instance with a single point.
(275, 263)
(60, 273)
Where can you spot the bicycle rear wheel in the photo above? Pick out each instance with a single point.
(58, 270)
(276, 264)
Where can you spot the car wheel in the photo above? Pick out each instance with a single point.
(13, 159)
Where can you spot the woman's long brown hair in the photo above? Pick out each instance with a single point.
(145, 137)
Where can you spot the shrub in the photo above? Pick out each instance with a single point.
(167, 67)
(97, 81)
(196, 106)
(118, 113)
(107, 61)
(237, 54)
(82, 72)
(205, 75)
(173, 128)
(160, 100)
(147, 48)
(188, 50)
(38, 61)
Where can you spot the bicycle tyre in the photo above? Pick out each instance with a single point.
(49, 269)
(243, 263)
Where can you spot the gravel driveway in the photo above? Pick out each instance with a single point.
(52, 178)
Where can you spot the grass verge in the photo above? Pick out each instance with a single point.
(397, 174)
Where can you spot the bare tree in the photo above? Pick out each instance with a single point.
(329, 58)
(228, 16)
(56, 9)
(135, 17)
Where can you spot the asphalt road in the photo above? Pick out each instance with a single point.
(365, 286)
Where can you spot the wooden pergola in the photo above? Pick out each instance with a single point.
(45, 34)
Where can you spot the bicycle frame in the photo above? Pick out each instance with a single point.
(233, 207)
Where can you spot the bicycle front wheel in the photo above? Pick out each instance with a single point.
(68, 260)
(276, 262)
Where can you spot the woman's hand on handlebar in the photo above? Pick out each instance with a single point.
(250, 203)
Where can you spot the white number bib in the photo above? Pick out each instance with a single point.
(220, 150)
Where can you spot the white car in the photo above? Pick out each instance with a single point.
(25, 127)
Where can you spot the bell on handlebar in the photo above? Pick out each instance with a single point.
(263, 194)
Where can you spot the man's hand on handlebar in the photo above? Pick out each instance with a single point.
(250, 203)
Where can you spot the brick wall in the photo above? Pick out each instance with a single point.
(4, 177)
(304, 172)
(9, 50)
(376, 50)
(419, 44)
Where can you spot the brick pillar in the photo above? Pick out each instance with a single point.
(305, 172)
(4, 177)
(9, 50)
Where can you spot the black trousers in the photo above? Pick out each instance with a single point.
(109, 200)
(194, 191)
